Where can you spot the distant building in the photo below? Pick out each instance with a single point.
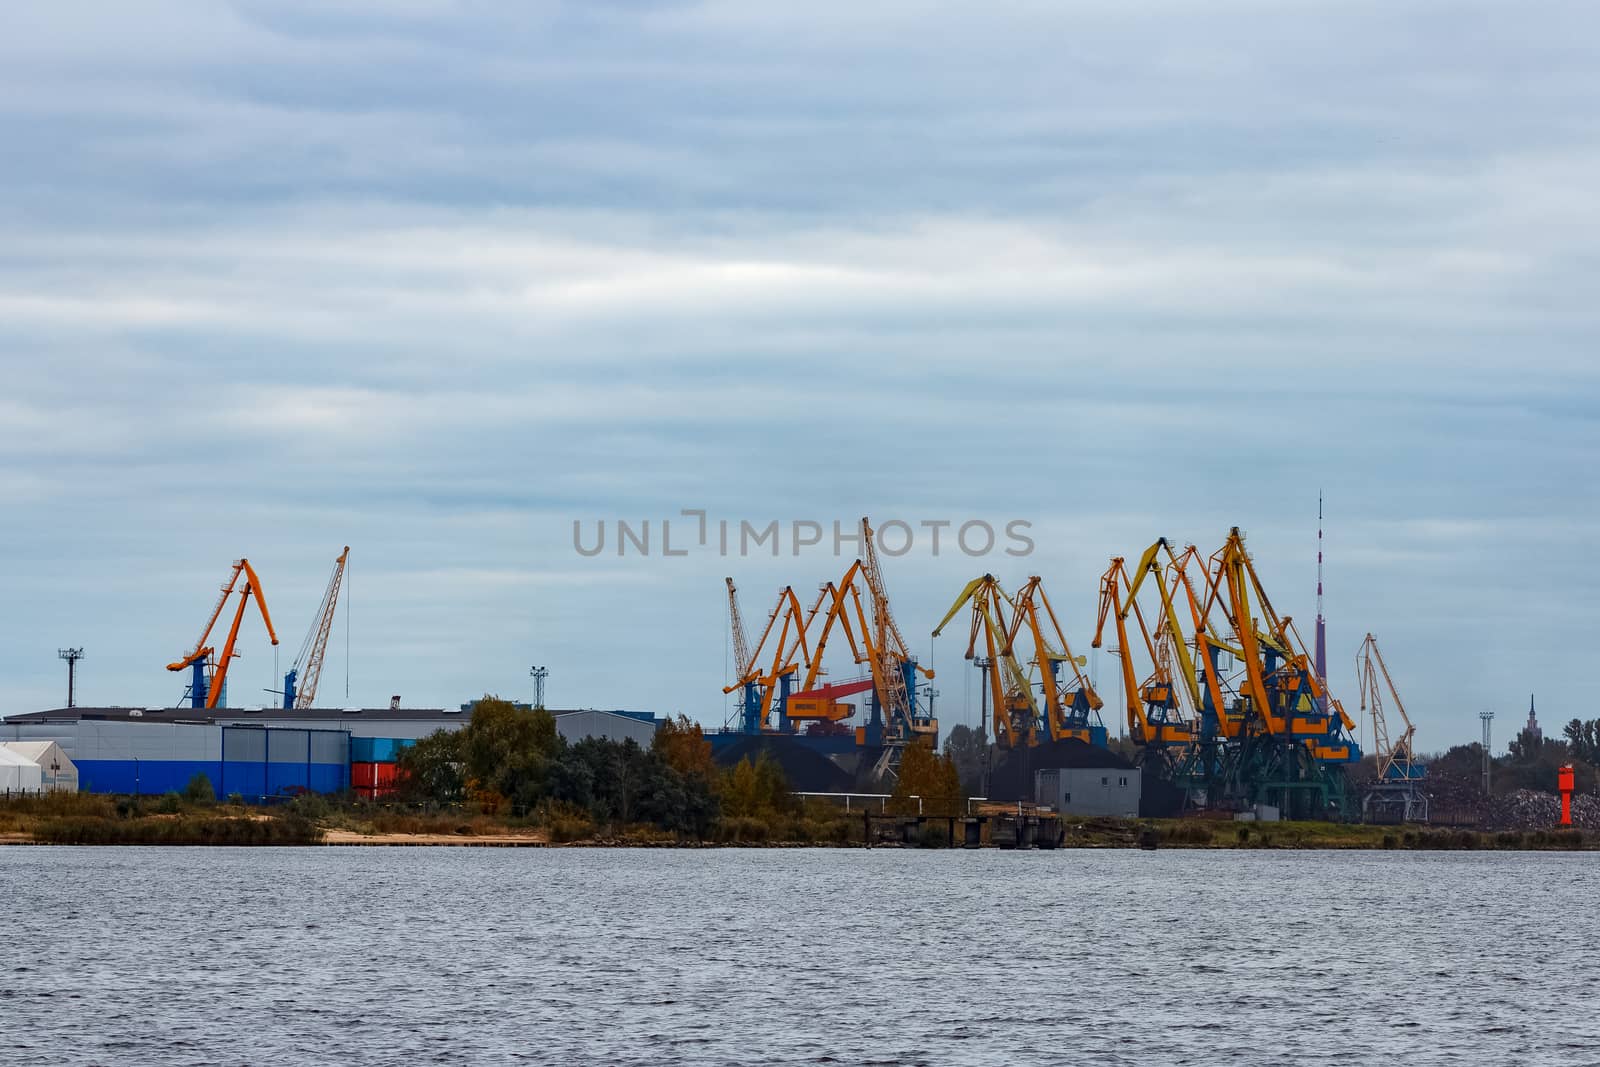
(1533, 722)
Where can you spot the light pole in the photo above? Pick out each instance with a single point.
(1488, 761)
(539, 674)
(72, 656)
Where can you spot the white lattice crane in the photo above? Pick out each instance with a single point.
(1398, 771)
(300, 684)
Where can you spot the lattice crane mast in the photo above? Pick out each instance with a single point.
(1395, 761)
(894, 669)
(210, 676)
(741, 643)
(298, 693)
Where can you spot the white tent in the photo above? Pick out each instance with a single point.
(57, 773)
(18, 773)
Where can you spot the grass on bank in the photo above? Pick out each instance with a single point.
(193, 817)
(1200, 833)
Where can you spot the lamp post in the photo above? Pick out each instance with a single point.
(539, 674)
(72, 656)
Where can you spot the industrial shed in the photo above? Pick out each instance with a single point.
(1109, 790)
(611, 725)
(58, 774)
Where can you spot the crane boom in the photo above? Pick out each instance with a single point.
(316, 644)
(1394, 761)
(741, 643)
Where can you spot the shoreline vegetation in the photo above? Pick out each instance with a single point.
(508, 780)
(68, 820)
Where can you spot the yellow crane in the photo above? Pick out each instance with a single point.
(1070, 701)
(1014, 715)
(1154, 713)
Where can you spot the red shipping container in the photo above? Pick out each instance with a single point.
(372, 780)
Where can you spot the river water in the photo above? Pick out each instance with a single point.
(580, 956)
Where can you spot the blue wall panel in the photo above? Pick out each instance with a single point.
(145, 777)
(252, 781)
(330, 777)
(248, 779)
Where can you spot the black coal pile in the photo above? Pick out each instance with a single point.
(805, 769)
(1011, 775)
(1528, 809)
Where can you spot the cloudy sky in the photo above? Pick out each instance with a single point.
(436, 279)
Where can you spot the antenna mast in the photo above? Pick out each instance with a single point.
(1322, 623)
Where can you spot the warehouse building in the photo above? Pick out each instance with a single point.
(260, 753)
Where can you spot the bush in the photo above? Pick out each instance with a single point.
(1242, 835)
(309, 806)
(170, 804)
(567, 828)
(201, 830)
(744, 829)
(1187, 833)
(199, 791)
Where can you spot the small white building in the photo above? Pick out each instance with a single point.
(55, 772)
(18, 773)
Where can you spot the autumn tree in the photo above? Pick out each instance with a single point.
(927, 777)
(683, 745)
(754, 790)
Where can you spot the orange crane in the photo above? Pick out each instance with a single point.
(789, 650)
(309, 661)
(206, 687)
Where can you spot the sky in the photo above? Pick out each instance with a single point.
(437, 280)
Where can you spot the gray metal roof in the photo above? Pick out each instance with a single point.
(259, 715)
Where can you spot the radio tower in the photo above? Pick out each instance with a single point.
(1322, 623)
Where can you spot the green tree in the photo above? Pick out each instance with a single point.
(507, 749)
(1583, 738)
(432, 769)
